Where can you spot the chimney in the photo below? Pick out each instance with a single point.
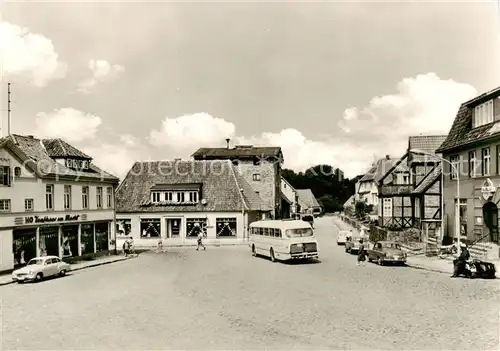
(387, 157)
(227, 143)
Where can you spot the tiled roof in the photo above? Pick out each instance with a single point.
(379, 170)
(236, 152)
(34, 149)
(60, 148)
(427, 143)
(307, 198)
(461, 132)
(222, 187)
(429, 179)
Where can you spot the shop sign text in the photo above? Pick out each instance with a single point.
(47, 219)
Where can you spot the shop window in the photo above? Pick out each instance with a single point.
(87, 238)
(49, 241)
(123, 227)
(194, 226)
(28, 204)
(69, 241)
(102, 236)
(24, 246)
(226, 227)
(150, 227)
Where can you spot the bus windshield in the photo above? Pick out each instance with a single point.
(299, 232)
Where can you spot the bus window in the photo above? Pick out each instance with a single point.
(260, 231)
(299, 232)
(278, 233)
(265, 232)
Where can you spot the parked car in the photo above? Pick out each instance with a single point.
(386, 252)
(342, 237)
(309, 219)
(39, 268)
(352, 244)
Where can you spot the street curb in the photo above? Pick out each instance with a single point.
(428, 269)
(80, 268)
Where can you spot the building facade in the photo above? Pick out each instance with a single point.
(308, 202)
(176, 200)
(367, 186)
(473, 148)
(289, 206)
(259, 166)
(53, 201)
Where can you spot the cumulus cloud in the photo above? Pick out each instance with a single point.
(424, 104)
(128, 140)
(29, 54)
(67, 123)
(192, 131)
(102, 71)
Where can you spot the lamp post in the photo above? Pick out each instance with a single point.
(457, 205)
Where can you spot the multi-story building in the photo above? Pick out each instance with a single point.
(259, 166)
(410, 192)
(53, 201)
(176, 200)
(367, 186)
(473, 148)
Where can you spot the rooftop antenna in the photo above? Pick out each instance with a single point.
(8, 109)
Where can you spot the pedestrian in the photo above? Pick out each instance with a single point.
(459, 263)
(200, 241)
(126, 247)
(361, 253)
(160, 245)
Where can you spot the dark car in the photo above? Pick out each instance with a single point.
(309, 219)
(387, 252)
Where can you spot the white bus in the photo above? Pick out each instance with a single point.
(283, 239)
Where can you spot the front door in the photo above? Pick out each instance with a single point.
(173, 226)
(490, 219)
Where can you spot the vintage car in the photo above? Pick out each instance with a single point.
(386, 252)
(352, 244)
(342, 237)
(39, 268)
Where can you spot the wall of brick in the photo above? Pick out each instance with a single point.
(269, 180)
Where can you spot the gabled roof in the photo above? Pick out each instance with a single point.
(224, 189)
(60, 148)
(399, 165)
(427, 143)
(307, 198)
(461, 132)
(429, 179)
(379, 170)
(243, 151)
(33, 153)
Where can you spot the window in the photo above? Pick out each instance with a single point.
(67, 197)
(472, 164)
(5, 176)
(17, 171)
(256, 177)
(99, 197)
(463, 215)
(193, 197)
(150, 227)
(49, 196)
(195, 226)
(226, 227)
(5, 205)
(454, 160)
(123, 227)
(180, 197)
(168, 196)
(406, 179)
(109, 197)
(85, 197)
(155, 196)
(28, 204)
(498, 159)
(486, 161)
(483, 114)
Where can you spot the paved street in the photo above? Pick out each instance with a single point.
(226, 299)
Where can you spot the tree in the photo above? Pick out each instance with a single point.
(360, 209)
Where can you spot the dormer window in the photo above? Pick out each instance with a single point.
(483, 114)
(77, 164)
(176, 194)
(156, 197)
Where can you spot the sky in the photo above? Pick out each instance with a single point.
(339, 83)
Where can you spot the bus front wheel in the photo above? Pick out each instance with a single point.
(271, 254)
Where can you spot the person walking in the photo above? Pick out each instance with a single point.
(361, 253)
(200, 241)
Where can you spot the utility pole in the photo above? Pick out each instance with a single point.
(8, 109)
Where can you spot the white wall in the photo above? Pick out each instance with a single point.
(289, 192)
(241, 226)
(6, 254)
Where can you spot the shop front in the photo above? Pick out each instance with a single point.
(24, 245)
